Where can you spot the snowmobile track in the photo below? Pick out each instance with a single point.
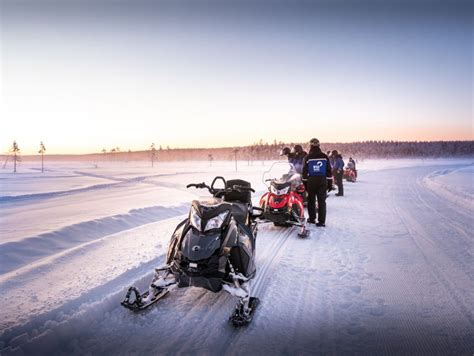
(266, 264)
(271, 256)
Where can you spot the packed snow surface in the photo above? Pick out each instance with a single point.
(392, 273)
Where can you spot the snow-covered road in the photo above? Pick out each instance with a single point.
(392, 273)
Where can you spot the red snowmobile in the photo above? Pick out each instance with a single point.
(283, 204)
(350, 175)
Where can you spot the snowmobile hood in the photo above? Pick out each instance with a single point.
(198, 246)
(211, 207)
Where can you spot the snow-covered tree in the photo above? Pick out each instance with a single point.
(41, 151)
(15, 152)
(235, 151)
(152, 154)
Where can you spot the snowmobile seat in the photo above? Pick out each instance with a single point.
(240, 212)
(241, 197)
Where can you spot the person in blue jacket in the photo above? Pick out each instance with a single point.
(298, 155)
(295, 157)
(317, 176)
(338, 173)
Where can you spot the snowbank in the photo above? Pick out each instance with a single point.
(454, 184)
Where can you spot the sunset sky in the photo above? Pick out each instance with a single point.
(83, 75)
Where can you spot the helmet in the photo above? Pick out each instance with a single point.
(298, 149)
(314, 142)
(285, 151)
(334, 153)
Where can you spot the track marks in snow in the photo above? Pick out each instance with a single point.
(220, 335)
(114, 183)
(16, 254)
(55, 194)
(268, 257)
(439, 262)
(51, 332)
(72, 326)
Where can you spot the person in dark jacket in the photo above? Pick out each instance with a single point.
(339, 173)
(317, 175)
(332, 158)
(297, 158)
(286, 152)
(352, 165)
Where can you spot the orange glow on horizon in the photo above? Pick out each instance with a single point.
(350, 134)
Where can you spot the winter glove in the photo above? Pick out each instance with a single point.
(329, 184)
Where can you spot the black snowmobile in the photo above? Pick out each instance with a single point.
(214, 248)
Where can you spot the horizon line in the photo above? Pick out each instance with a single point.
(241, 146)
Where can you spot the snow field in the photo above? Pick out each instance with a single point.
(391, 273)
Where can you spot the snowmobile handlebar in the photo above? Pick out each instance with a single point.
(198, 185)
(220, 192)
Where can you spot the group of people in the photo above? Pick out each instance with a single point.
(318, 171)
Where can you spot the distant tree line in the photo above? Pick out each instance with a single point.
(262, 151)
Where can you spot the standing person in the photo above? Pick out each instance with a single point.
(317, 176)
(332, 158)
(286, 152)
(298, 155)
(339, 172)
(352, 165)
(295, 157)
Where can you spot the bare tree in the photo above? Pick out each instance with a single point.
(15, 151)
(42, 150)
(235, 150)
(153, 154)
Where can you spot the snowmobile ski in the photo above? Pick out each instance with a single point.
(304, 232)
(242, 317)
(140, 301)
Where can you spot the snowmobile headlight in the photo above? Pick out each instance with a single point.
(195, 219)
(216, 222)
(276, 191)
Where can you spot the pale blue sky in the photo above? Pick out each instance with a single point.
(86, 75)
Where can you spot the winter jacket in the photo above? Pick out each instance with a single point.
(316, 165)
(338, 163)
(297, 159)
(352, 162)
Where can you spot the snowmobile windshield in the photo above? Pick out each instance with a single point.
(280, 172)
